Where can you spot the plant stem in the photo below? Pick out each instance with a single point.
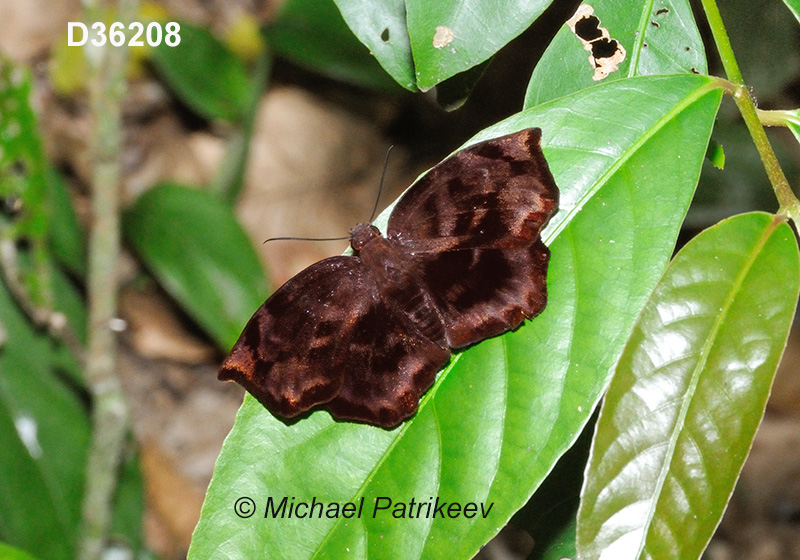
(230, 178)
(55, 321)
(778, 117)
(789, 205)
(109, 411)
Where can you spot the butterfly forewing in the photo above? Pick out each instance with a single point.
(499, 193)
(478, 248)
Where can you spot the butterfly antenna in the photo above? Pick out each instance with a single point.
(306, 239)
(372, 216)
(380, 186)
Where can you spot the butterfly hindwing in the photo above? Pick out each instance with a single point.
(389, 367)
(481, 293)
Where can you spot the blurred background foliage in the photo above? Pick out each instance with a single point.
(189, 241)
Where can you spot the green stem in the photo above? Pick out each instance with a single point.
(778, 117)
(230, 178)
(789, 205)
(109, 409)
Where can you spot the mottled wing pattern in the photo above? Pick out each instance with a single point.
(364, 336)
(389, 367)
(472, 227)
(326, 337)
(279, 355)
(498, 193)
(481, 293)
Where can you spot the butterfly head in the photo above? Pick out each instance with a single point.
(363, 234)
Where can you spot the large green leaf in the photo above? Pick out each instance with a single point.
(194, 246)
(658, 37)
(421, 43)
(690, 392)
(626, 157)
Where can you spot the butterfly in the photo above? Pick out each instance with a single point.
(363, 336)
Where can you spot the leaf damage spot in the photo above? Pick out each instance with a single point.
(605, 53)
(443, 37)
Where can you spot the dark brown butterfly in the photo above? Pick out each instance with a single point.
(363, 336)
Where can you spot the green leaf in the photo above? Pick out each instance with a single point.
(197, 250)
(502, 412)
(313, 34)
(794, 7)
(716, 155)
(400, 34)
(65, 234)
(382, 28)
(689, 393)
(129, 502)
(205, 74)
(11, 553)
(466, 25)
(656, 42)
(791, 120)
(45, 431)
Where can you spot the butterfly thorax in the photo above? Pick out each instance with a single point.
(397, 280)
(362, 234)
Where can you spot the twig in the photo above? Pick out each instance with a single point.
(109, 412)
(54, 321)
(789, 205)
